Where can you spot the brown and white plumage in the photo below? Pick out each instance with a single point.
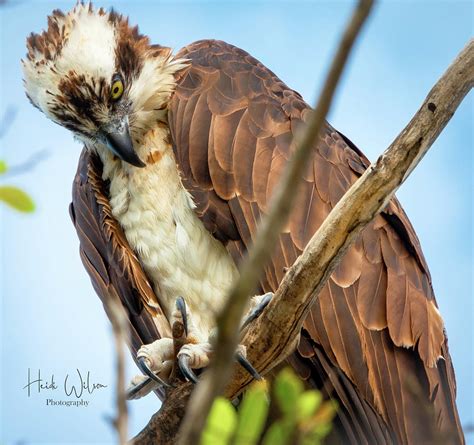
(220, 140)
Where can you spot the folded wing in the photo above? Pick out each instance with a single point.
(374, 339)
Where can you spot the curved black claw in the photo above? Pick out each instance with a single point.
(247, 366)
(183, 363)
(181, 305)
(257, 310)
(137, 388)
(142, 364)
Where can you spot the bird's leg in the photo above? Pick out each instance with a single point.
(156, 359)
(257, 305)
(141, 385)
(195, 356)
(194, 353)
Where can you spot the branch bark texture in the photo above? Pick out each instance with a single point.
(163, 426)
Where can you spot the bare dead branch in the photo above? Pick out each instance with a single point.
(271, 337)
(215, 378)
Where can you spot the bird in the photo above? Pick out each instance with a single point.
(182, 152)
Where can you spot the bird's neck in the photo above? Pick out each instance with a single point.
(160, 173)
(157, 215)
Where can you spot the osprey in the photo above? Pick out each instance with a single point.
(182, 153)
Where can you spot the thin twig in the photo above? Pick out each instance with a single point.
(28, 165)
(6, 123)
(118, 319)
(7, 120)
(213, 382)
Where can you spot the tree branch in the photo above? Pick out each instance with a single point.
(270, 338)
(118, 319)
(163, 426)
(215, 378)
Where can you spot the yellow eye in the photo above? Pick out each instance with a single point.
(117, 89)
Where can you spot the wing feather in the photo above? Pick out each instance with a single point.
(113, 268)
(375, 326)
(243, 155)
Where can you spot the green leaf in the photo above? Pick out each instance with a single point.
(3, 167)
(323, 430)
(326, 413)
(221, 423)
(279, 433)
(288, 388)
(311, 440)
(320, 423)
(307, 404)
(16, 198)
(252, 414)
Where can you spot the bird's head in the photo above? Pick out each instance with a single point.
(97, 76)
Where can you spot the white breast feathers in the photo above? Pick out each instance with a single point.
(179, 255)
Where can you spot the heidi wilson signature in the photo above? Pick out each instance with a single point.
(75, 385)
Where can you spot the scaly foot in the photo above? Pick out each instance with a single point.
(156, 359)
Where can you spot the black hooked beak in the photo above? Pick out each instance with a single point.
(119, 142)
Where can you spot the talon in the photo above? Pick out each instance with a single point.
(247, 366)
(142, 364)
(181, 306)
(183, 362)
(137, 388)
(257, 310)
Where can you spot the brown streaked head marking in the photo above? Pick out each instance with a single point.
(70, 67)
(132, 47)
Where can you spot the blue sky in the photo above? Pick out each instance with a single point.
(51, 318)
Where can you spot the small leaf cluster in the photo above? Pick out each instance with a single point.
(14, 196)
(304, 417)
